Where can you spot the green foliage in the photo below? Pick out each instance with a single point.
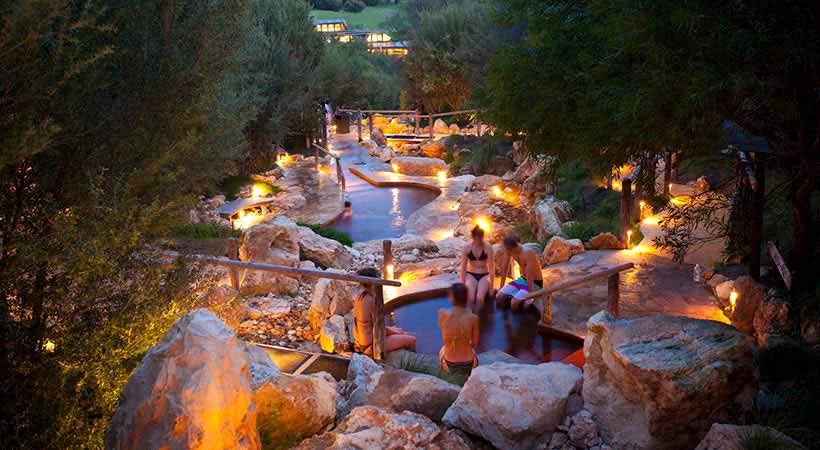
(352, 77)
(580, 230)
(597, 210)
(413, 362)
(199, 231)
(339, 236)
(353, 6)
(759, 438)
(328, 5)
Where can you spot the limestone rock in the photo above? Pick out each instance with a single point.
(330, 298)
(385, 153)
(440, 127)
(520, 152)
(514, 406)
(223, 301)
(716, 280)
(434, 149)
(583, 431)
(701, 185)
(369, 427)
(559, 249)
(485, 183)
(268, 308)
(415, 165)
(323, 251)
(659, 382)
(453, 128)
(605, 241)
(261, 366)
(750, 297)
(378, 137)
(772, 321)
(724, 290)
(292, 408)
(548, 216)
(729, 437)
(191, 391)
(405, 243)
(333, 336)
(397, 390)
(529, 167)
(272, 242)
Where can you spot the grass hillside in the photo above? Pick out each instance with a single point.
(371, 17)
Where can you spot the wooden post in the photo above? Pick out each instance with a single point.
(546, 314)
(324, 129)
(609, 180)
(378, 323)
(756, 222)
(340, 174)
(233, 253)
(785, 273)
(626, 209)
(418, 123)
(667, 173)
(359, 124)
(431, 127)
(674, 163)
(614, 294)
(370, 125)
(387, 251)
(316, 158)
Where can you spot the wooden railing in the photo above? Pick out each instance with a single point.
(340, 174)
(416, 114)
(613, 291)
(235, 265)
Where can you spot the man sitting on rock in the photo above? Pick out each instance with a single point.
(530, 280)
(363, 317)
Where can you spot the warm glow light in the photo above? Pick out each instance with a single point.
(670, 188)
(483, 223)
(257, 191)
(497, 191)
(643, 204)
(679, 201)
(247, 220)
(733, 298)
(651, 220)
(389, 269)
(628, 238)
(442, 175)
(395, 167)
(442, 234)
(49, 346)
(454, 206)
(325, 170)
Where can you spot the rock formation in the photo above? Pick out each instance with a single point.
(659, 382)
(559, 249)
(414, 165)
(514, 406)
(548, 215)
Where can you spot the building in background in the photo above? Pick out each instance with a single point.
(378, 41)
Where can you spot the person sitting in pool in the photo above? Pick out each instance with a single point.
(460, 333)
(363, 316)
(530, 279)
(476, 267)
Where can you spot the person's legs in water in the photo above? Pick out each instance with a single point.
(472, 286)
(399, 341)
(482, 290)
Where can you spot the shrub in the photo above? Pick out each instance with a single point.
(353, 6)
(198, 231)
(339, 236)
(328, 5)
(580, 230)
(372, 2)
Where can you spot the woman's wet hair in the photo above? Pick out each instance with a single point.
(477, 232)
(511, 241)
(458, 292)
(371, 272)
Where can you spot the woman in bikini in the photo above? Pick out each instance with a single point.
(460, 332)
(476, 267)
(363, 309)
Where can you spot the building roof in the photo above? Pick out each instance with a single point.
(328, 21)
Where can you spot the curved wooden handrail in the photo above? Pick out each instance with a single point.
(572, 282)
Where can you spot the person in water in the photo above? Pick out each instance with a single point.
(476, 267)
(460, 333)
(363, 316)
(530, 280)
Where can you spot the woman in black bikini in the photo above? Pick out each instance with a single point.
(460, 333)
(476, 267)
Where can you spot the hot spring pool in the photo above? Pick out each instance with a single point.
(515, 333)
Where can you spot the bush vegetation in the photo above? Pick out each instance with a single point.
(200, 231)
(339, 236)
(353, 6)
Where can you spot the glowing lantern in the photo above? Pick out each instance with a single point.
(643, 204)
(442, 175)
(257, 191)
(454, 206)
(628, 238)
(395, 167)
(49, 346)
(389, 269)
(670, 188)
(733, 298)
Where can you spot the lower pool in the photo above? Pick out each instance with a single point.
(515, 333)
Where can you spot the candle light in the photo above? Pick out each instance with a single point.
(395, 167)
(389, 268)
(628, 238)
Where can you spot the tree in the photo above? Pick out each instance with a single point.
(352, 77)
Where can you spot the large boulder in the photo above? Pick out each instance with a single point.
(369, 427)
(224, 301)
(273, 242)
(559, 249)
(514, 406)
(548, 215)
(750, 296)
(772, 321)
(267, 308)
(730, 437)
(330, 298)
(485, 183)
(290, 409)
(434, 149)
(520, 152)
(321, 250)
(659, 382)
(417, 165)
(406, 243)
(605, 241)
(333, 335)
(529, 167)
(385, 153)
(378, 137)
(440, 127)
(192, 390)
(397, 390)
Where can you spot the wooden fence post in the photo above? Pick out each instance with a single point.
(370, 125)
(431, 127)
(387, 251)
(233, 253)
(626, 209)
(418, 123)
(614, 294)
(359, 125)
(340, 174)
(546, 314)
(378, 323)
(478, 129)
(324, 129)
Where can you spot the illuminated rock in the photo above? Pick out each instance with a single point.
(453, 129)
(369, 427)
(321, 250)
(378, 137)
(330, 298)
(415, 165)
(751, 295)
(514, 406)
(605, 241)
(434, 149)
(290, 409)
(223, 301)
(191, 391)
(659, 382)
(385, 154)
(406, 243)
(485, 183)
(397, 390)
(267, 308)
(548, 216)
(730, 437)
(333, 335)
(559, 249)
(440, 127)
(273, 242)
